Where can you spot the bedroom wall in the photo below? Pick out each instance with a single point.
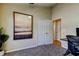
(39, 13)
(69, 14)
(0, 14)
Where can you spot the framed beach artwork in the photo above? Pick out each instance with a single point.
(23, 26)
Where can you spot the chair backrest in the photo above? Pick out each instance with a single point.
(73, 39)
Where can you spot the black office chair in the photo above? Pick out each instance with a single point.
(73, 45)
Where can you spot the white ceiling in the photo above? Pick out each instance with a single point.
(44, 4)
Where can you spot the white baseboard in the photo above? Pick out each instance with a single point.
(64, 44)
(25, 48)
(45, 43)
(20, 49)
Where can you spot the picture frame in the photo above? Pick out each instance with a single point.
(23, 26)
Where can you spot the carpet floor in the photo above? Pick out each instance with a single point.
(45, 50)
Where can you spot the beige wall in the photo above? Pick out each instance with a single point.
(69, 14)
(0, 14)
(39, 13)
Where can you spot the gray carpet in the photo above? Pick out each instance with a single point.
(45, 50)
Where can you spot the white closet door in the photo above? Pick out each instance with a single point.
(44, 32)
(48, 32)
